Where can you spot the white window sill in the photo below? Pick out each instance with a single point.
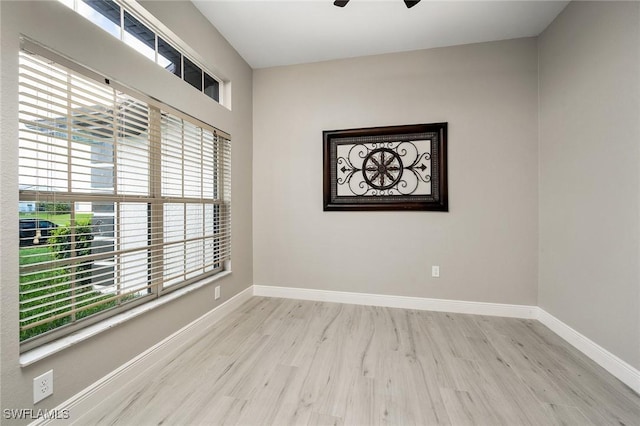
(41, 352)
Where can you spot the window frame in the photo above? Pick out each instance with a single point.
(155, 199)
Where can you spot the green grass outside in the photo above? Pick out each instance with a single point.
(58, 219)
(30, 255)
(40, 254)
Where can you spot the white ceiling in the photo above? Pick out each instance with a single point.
(269, 33)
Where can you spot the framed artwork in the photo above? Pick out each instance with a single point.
(386, 168)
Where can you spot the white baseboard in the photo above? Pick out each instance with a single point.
(405, 302)
(86, 399)
(614, 365)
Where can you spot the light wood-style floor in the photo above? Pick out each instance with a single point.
(281, 362)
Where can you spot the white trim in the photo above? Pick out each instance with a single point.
(84, 400)
(614, 365)
(405, 302)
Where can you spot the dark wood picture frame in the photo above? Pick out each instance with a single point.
(386, 168)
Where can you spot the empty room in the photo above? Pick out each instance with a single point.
(313, 212)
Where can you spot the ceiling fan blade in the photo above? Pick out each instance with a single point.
(408, 3)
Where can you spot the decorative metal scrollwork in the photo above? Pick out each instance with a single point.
(379, 169)
(382, 168)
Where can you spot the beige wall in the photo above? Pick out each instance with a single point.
(486, 245)
(589, 173)
(61, 29)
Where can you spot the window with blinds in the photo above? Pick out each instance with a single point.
(122, 199)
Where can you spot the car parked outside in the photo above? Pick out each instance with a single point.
(29, 228)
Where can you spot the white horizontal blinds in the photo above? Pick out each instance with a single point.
(92, 144)
(133, 153)
(119, 200)
(69, 133)
(195, 234)
(83, 148)
(43, 129)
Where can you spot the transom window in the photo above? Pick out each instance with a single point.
(120, 22)
(122, 199)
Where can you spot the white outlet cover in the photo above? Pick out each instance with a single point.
(42, 386)
(217, 293)
(435, 271)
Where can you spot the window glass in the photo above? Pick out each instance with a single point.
(105, 14)
(138, 36)
(169, 58)
(192, 74)
(211, 87)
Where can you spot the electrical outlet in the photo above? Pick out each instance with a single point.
(435, 271)
(42, 386)
(217, 293)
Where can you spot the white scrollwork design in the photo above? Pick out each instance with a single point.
(384, 168)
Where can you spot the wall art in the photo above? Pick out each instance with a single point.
(386, 168)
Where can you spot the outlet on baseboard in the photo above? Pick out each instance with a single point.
(42, 386)
(216, 294)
